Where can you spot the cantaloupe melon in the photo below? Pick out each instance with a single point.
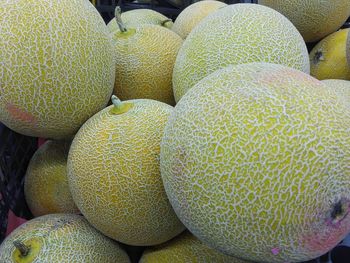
(46, 184)
(237, 34)
(63, 238)
(314, 19)
(255, 162)
(328, 57)
(342, 89)
(185, 248)
(114, 173)
(145, 57)
(137, 17)
(193, 14)
(57, 67)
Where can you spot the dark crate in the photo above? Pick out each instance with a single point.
(15, 153)
(107, 7)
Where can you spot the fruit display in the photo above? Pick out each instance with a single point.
(174, 131)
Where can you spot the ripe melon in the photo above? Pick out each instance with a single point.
(342, 89)
(255, 162)
(237, 34)
(114, 173)
(137, 17)
(185, 248)
(46, 184)
(145, 58)
(63, 238)
(193, 14)
(328, 57)
(57, 67)
(314, 19)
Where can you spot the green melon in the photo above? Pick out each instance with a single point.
(185, 248)
(114, 173)
(57, 67)
(61, 238)
(137, 17)
(46, 184)
(255, 162)
(236, 34)
(314, 19)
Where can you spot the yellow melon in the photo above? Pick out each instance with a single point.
(255, 162)
(185, 248)
(145, 58)
(137, 17)
(63, 238)
(314, 19)
(57, 66)
(341, 87)
(348, 49)
(328, 57)
(114, 173)
(193, 14)
(46, 184)
(237, 34)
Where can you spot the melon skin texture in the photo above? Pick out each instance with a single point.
(328, 57)
(137, 17)
(255, 162)
(193, 14)
(342, 89)
(145, 58)
(46, 184)
(237, 34)
(57, 67)
(185, 248)
(63, 238)
(314, 19)
(114, 174)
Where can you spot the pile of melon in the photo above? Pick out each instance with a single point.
(221, 136)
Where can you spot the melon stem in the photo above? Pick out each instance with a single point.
(166, 21)
(318, 56)
(116, 102)
(23, 249)
(118, 18)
